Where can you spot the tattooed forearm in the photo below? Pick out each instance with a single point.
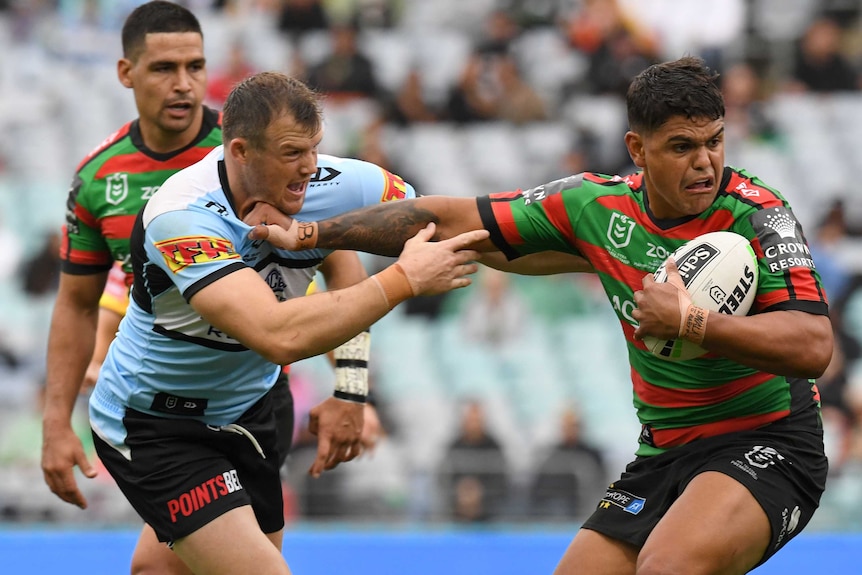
(381, 229)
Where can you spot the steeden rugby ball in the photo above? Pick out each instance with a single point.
(719, 270)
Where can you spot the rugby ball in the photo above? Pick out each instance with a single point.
(719, 270)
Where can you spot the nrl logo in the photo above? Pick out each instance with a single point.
(116, 188)
(762, 457)
(620, 230)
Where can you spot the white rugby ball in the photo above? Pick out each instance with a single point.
(719, 270)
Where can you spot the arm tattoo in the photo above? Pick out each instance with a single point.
(381, 229)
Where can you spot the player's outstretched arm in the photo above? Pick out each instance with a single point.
(538, 264)
(379, 229)
(288, 331)
(70, 347)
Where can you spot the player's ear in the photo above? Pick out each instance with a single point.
(238, 149)
(635, 146)
(124, 69)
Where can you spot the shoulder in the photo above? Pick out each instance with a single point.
(212, 122)
(330, 168)
(101, 152)
(586, 185)
(741, 186)
(361, 177)
(187, 187)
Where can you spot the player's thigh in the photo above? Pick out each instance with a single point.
(233, 544)
(152, 557)
(591, 553)
(715, 527)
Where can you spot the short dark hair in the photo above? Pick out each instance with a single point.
(684, 87)
(155, 17)
(257, 100)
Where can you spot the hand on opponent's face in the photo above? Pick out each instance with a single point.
(263, 213)
(280, 229)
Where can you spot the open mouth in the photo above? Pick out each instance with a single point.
(701, 185)
(179, 107)
(297, 187)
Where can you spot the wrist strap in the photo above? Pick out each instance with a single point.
(394, 284)
(351, 368)
(353, 397)
(693, 327)
(306, 235)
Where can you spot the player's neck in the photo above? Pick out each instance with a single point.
(164, 142)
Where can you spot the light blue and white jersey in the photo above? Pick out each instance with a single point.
(168, 361)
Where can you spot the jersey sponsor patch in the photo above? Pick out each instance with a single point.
(781, 239)
(623, 499)
(71, 203)
(182, 252)
(539, 193)
(394, 188)
(325, 174)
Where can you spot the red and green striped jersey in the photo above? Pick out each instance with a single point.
(110, 187)
(608, 221)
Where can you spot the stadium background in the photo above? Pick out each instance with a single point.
(59, 98)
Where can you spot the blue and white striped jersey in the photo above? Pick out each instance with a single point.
(168, 361)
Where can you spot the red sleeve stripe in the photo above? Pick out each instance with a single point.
(776, 297)
(674, 398)
(85, 217)
(505, 221)
(804, 286)
(118, 226)
(665, 438)
(555, 210)
(137, 163)
(81, 257)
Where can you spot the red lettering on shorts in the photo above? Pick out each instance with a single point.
(202, 495)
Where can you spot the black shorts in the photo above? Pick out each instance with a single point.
(182, 473)
(782, 465)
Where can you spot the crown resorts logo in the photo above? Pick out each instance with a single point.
(782, 224)
(781, 240)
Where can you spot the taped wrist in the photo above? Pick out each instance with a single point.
(306, 235)
(693, 326)
(351, 368)
(394, 284)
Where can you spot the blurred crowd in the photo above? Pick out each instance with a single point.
(464, 98)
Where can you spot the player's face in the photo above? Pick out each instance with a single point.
(169, 81)
(682, 164)
(279, 174)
